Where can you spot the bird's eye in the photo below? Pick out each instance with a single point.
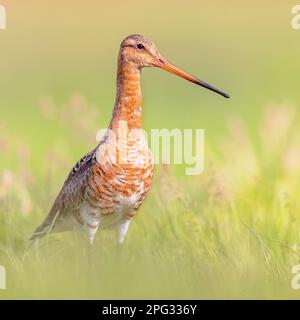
(140, 46)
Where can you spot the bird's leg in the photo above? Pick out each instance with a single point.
(88, 249)
(122, 229)
(90, 220)
(91, 230)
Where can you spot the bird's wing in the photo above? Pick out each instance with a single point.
(72, 194)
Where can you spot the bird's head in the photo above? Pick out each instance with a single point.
(141, 52)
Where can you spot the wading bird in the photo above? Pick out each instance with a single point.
(108, 185)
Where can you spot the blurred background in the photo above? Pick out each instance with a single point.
(57, 80)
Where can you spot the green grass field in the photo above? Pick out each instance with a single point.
(231, 232)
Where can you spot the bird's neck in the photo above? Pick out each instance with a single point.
(128, 104)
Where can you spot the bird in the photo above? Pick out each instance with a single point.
(107, 186)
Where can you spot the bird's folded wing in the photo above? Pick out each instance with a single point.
(72, 194)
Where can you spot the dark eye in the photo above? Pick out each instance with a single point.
(140, 46)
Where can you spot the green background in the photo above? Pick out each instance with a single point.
(232, 232)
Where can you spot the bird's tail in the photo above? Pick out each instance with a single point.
(46, 227)
(41, 231)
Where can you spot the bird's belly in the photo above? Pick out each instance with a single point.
(110, 212)
(117, 193)
(117, 189)
(125, 207)
(125, 197)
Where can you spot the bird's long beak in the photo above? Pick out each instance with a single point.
(166, 65)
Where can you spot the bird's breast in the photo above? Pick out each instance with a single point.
(121, 178)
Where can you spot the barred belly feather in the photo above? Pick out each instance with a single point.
(118, 186)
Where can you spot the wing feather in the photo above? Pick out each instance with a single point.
(71, 196)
